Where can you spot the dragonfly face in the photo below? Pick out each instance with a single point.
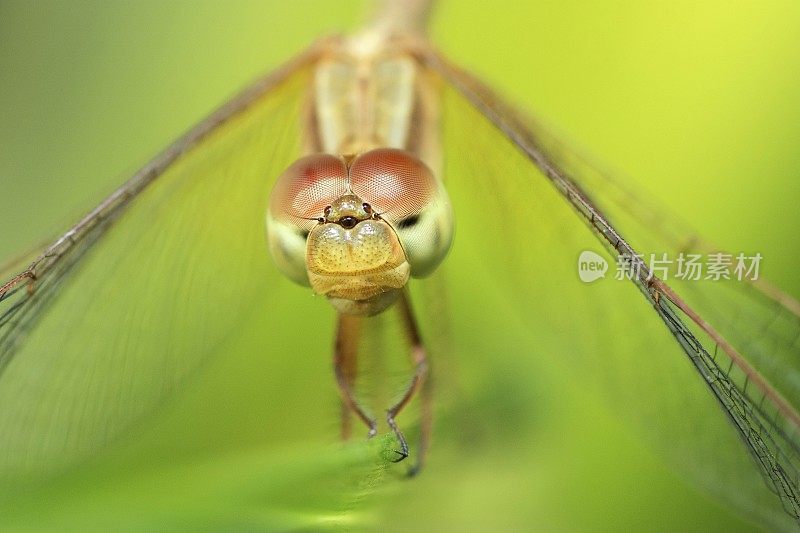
(356, 228)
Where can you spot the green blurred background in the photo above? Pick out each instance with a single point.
(697, 101)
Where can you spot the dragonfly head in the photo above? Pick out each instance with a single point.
(356, 228)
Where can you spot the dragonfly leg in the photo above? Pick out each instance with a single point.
(426, 425)
(418, 380)
(347, 362)
(344, 364)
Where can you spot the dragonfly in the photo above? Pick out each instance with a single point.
(749, 388)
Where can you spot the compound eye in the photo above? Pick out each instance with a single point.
(403, 191)
(306, 188)
(296, 204)
(394, 182)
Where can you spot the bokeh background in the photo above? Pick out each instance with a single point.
(696, 101)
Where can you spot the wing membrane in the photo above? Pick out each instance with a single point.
(756, 317)
(751, 379)
(147, 287)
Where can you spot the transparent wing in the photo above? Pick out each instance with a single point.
(753, 315)
(749, 328)
(148, 287)
(538, 207)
